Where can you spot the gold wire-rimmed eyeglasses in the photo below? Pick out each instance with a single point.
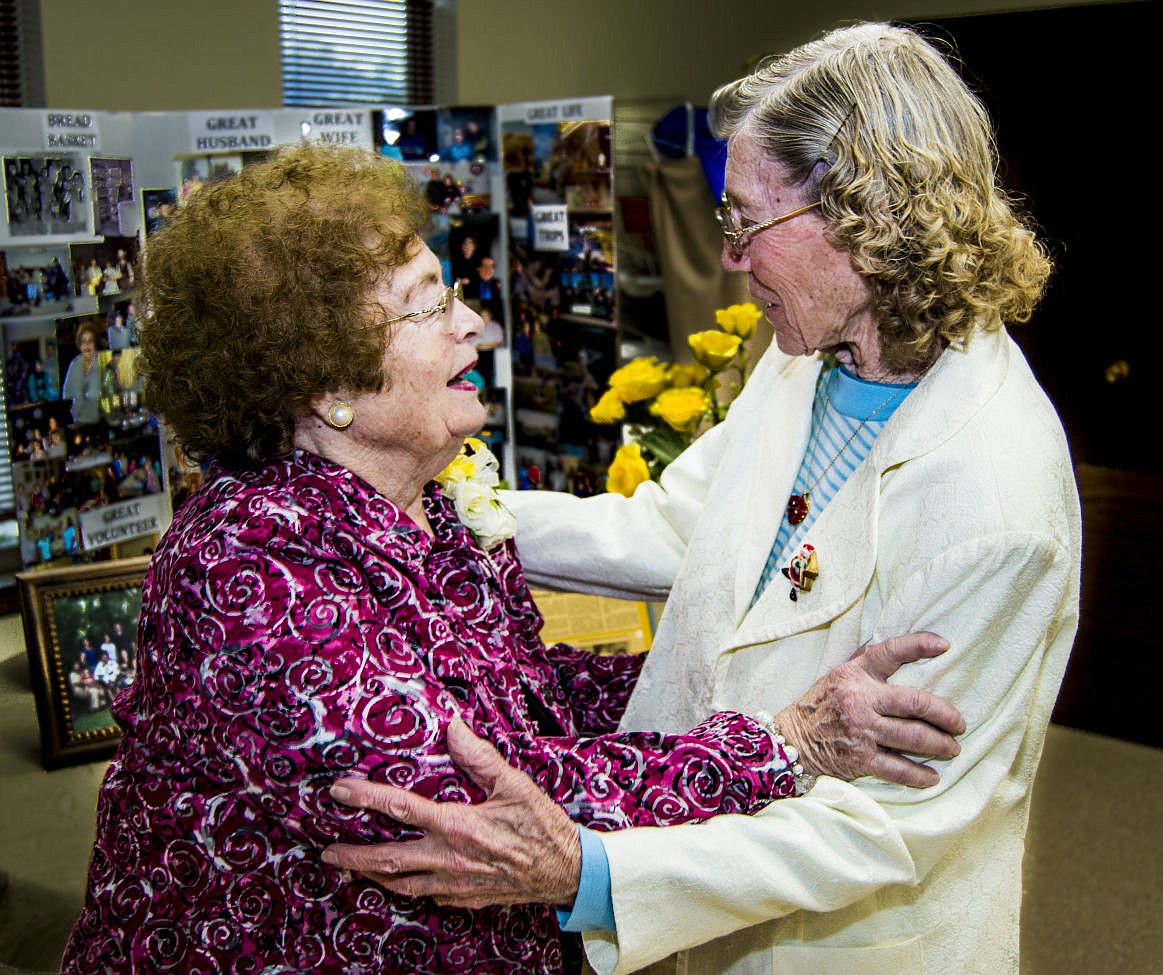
(444, 308)
(736, 234)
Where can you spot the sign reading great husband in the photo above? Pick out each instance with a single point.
(231, 131)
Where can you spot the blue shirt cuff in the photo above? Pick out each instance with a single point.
(593, 908)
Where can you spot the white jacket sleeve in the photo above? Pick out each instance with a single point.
(1008, 605)
(608, 545)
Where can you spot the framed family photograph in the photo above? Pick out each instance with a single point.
(80, 630)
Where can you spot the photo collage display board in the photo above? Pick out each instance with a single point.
(86, 457)
(520, 197)
(452, 155)
(556, 158)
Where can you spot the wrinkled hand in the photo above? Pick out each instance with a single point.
(851, 723)
(516, 847)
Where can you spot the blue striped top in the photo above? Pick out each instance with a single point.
(837, 445)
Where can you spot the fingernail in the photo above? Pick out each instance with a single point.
(340, 793)
(329, 857)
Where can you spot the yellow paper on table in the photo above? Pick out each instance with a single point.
(597, 623)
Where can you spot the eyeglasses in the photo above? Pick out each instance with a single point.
(736, 234)
(444, 308)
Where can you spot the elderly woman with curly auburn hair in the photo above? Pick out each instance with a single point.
(317, 610)
(891, 465)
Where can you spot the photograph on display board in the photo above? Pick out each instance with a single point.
(183, 475)
(46, 512)
(406, 135)
(586, 270)
(157, 205)
(473, 242)
(561, 289)
(112, 186)
(69, 507)
(102, 386)
(31, 373)
(451, 189)
(106, 268)
(78, 341)
(584, 172)
(35, 281)
(39, 431)
(465, 134)
(517, 163)
(45, 196)
(193, 174)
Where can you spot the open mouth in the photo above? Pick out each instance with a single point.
(461, 380)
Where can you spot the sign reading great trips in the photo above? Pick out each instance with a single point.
(212, 132)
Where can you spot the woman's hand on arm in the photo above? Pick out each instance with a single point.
(517, 847)
(852, 723)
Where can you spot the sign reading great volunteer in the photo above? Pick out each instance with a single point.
(233, 131)
(71, 130)
(131, 518)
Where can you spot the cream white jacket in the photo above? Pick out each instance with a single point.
(963, 520)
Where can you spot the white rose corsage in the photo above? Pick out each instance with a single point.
(471, 482)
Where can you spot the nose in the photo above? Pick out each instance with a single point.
(466, 323)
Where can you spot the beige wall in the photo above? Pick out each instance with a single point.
(513, 50)
(158, 55)
(142, 55)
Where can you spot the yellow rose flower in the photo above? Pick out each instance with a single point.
(681, 408)
(714, 349)
(739, 319)
(460, 470)
(609, 409)
(688, 374)
(627, 470)
(639, 379)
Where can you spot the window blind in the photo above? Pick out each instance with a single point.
(357, 51)
(21, 55)
(7, 497)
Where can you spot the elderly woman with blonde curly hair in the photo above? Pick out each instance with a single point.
(891, 465)
(318, 609)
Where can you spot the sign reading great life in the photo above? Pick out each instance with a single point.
(231, 131)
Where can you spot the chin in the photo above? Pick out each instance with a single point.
(791, 344)
(472, 425)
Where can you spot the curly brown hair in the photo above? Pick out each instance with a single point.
(878, 126)
(258, 294)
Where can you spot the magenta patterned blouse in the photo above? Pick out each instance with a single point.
(298, 627)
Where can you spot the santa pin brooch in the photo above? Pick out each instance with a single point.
(803, 570)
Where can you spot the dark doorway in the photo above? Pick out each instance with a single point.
(1074, 94)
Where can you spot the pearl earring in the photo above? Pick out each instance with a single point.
(340, 415)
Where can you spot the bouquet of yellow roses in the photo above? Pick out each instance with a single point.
(666, 405)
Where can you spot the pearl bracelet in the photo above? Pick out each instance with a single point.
(803, 780)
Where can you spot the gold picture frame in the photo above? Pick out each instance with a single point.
(72, 617)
